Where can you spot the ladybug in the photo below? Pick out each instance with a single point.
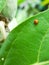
(35, 21)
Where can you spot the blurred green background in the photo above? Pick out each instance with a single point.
(27, 8)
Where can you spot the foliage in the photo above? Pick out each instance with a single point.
(28, 44)
(2, 4)
(10, 9)
(20, 1)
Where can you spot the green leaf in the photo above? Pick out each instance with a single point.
(10, 9)
(20, 1)
(28, 44)
(21, 16)
(2, 4)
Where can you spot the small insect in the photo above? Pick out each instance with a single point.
(35, 21)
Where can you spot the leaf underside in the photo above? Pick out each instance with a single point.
(28, 44)
(2, 4)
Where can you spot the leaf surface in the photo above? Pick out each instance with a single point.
(10, 9)
(2, 4)
(20, 1)
(28, 44)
